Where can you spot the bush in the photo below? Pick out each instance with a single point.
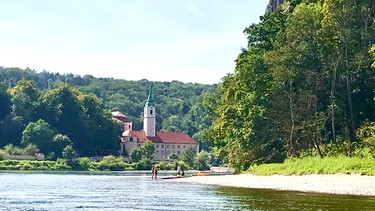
(161, 165)
(112, 163)
(33, 165)
(183, 165)
(85, 163)
(170, 166)
(144, 164)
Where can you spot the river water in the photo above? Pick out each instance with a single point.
(126, 191)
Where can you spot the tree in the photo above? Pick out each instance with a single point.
(25, 100)
(351, 24)
(69, 154)
(136, 155)
(189, 155)
(64, 112)
(59, 143)
(40, 134)
(173, 156)
(240, 130)
(298, 76)
(148, 150)
(102, 130)
(202, 160)
(31, 149)
(145, 151)
(5, 102)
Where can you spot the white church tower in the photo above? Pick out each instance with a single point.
(149, 115)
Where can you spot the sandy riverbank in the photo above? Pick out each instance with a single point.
(333, 184)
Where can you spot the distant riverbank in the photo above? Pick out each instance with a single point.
(332, 184)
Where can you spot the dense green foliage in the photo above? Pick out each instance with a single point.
(303, 84)
(78, 107)
(57, 118)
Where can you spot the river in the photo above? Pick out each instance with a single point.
(129, 191)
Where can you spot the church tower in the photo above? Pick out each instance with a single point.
(149, 115)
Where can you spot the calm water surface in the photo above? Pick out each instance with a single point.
(124, 191)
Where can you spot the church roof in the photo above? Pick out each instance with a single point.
(120, 116)
(163, 137)
(150, 101)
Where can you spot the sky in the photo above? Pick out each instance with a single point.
(159, 40)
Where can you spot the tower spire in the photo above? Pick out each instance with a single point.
(149, 118)
(150, 101)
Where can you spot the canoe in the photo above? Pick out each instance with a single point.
(172, 177)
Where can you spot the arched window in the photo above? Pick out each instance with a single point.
(150, 111)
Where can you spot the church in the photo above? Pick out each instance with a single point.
(165, 143)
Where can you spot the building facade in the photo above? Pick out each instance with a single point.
(165, 143)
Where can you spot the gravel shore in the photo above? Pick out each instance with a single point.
(332, 184)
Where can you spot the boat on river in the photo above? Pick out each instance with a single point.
(172, 177)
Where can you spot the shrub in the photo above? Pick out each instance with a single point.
(111, 163)
(183, 165)
(170, 166)
(144, 164)
(161, 165)
(85, 163)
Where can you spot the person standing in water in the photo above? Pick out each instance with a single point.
(156, 173)
(153, 172)
(178, 170)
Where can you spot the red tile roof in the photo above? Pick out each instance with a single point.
(163, 137)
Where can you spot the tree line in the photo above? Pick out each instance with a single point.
(53, 111)
(304, 86)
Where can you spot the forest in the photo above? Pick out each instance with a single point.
(304, 86)
(53, 111)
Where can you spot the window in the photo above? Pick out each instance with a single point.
(150, 111)
(178, 146)
(157, 145)
(156, 152)
(167, 146)
(173, 146)
(162, 146)
(131, 139)
(178, 153)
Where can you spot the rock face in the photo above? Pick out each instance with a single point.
(273, 4)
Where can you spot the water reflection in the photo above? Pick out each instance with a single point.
(256, 199)
(124, 191)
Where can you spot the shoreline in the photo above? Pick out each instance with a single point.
(342, 184)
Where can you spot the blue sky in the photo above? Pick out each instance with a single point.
(158, 40)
